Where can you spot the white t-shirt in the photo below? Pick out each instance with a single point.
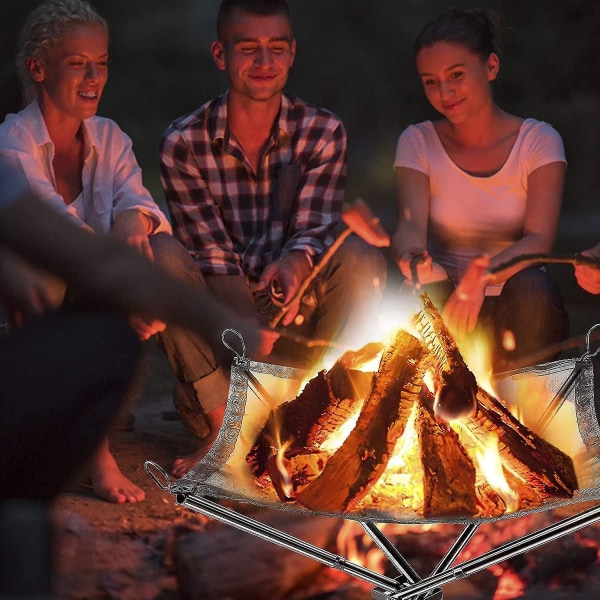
(470, 215)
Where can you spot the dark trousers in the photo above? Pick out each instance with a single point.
(63, 378)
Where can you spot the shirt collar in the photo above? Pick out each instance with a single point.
(37, 126)
(283, 123)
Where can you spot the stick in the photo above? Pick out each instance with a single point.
(526, 260)
(358, 219)
(311, 277)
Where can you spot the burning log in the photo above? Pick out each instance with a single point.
(325, 404)
(448, 472)
(457, 387)
(548, 470)
(364, 455)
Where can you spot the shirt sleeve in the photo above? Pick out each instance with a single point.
(129, 192)
(410, 151)
(545, 147)
(320, 197)
(197, 219)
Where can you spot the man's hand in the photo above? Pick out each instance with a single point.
(284, 277)
(133, 228)
(26, 291)
(462, 308)
(588, 277)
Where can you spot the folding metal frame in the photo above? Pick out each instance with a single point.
(408, 585)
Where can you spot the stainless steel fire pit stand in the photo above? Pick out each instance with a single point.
(408, 586)
(493, 557)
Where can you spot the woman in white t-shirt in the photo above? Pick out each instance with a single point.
(477, 188)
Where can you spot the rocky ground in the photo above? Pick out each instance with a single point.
(131, 551)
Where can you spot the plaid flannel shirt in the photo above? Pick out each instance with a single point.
(234, 221)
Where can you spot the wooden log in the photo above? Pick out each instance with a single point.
(456, 385)
(327, 401)
(540, 464)
(448, 472)
(364, 455)
(223, 562)
(293, 471)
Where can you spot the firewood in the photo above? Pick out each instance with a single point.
(364, 455)
(326, 402)
(456, 385)
(300, 468)
(540, 464)
(537, 462)
(448, 472)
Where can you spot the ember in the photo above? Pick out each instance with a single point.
(365, 442)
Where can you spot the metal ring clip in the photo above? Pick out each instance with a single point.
(150, 469)
(588, 339)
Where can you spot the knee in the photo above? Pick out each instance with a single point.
(361, 262)
(534, 287)
(170, 255)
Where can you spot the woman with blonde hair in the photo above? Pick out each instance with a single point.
(81, 165)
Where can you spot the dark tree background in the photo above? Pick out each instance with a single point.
(354, 57)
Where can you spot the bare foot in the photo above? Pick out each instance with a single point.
(182, 464)
(108, 480)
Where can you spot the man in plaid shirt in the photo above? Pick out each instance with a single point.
(254, 182)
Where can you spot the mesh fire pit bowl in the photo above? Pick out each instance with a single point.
(364, 440)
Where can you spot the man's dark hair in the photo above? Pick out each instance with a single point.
(253, 7)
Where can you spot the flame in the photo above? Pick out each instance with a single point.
(335, 440)
(490, 465)
(476, 351)
(286, 481)
(402, 481)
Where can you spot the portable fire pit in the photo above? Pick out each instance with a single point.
(401, 431)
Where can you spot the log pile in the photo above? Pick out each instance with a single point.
(297, 452)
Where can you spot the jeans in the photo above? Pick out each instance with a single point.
(341, 304)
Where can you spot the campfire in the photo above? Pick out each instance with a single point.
(414, 436)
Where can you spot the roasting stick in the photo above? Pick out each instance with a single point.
(527, 260)
(358, 219)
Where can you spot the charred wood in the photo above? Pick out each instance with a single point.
(364, 455)
(448, 472)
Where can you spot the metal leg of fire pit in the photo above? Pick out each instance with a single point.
(230, 517)
(498, 555)
(391, 552)
(461, 541)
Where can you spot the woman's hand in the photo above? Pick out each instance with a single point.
(427, 271)
(462, 308)
(133, 227)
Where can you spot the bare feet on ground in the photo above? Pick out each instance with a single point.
(182, 464)
(108, 480)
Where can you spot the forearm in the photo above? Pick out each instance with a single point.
(529, 244)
